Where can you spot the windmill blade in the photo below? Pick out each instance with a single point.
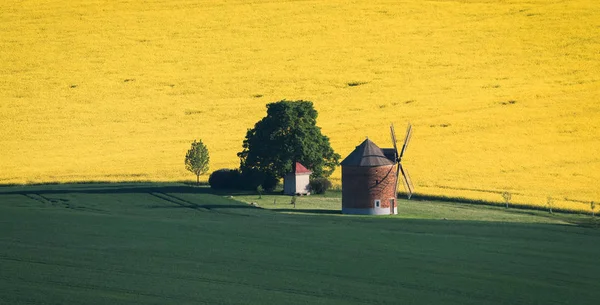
(406, 140)
(411, 187)
(397, 178)
(408, 186)
(393, 133)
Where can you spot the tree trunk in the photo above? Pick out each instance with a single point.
(197, 179)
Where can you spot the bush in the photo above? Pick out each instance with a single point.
(270, 182)
(319, 185)
(224, 179)
(251, 178)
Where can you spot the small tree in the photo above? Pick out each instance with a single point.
(196, 159)
(259, 190)
(506, 196)
(549, 203)
(593, 207)
(294, 201)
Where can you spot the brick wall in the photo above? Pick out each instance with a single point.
(362, 185)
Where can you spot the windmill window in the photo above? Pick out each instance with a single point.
(377, 203)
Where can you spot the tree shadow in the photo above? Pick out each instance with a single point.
(116, 188)
(166, 188)
(163, 191)
(203, 206)
(309, 211)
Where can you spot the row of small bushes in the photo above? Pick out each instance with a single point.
(250, 179)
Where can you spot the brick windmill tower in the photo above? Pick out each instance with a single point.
(370, 178)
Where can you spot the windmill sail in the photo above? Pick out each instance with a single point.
(406, 140)
(393, 133)
(408, 186)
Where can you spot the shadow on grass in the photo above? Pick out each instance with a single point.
(115, 188)
(163, 189)
(463, 200)
(204, 206)
(309, 211)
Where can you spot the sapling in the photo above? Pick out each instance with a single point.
(506, 196)
(196, 159)
(259, 190)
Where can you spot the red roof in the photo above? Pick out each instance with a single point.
(300, 169)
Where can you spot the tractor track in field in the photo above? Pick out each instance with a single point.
(37, 198)
(192, 205)
(178, 201)
(64, 203)
(48, 201)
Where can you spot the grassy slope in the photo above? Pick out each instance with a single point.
(111, 90)
(157, 244)
(450, 209)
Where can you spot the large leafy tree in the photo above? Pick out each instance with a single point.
(196, 159)
(287, 134)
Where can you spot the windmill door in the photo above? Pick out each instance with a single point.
(392, 205)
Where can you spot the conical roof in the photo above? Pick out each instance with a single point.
(367, 154)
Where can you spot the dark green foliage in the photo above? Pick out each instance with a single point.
(251, 178)
(225, 179)
(287, 134)
(319, 185)
(269, 183)
(196, 159)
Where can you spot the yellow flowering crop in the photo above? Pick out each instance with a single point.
(503, 95)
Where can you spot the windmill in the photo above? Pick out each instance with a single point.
(369, 186)
(408, 186)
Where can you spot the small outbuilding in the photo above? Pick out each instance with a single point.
(369, 181)
(297, 182)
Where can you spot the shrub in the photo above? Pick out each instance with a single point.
(225, 179)
(270, 182)
(319, 185)
(251, 178)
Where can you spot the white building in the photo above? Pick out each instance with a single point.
(297, 181)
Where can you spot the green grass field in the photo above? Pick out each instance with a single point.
(175, 244)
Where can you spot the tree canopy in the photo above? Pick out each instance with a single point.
(196, 159)
(286, 135)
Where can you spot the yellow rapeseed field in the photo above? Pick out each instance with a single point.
(504, 95)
